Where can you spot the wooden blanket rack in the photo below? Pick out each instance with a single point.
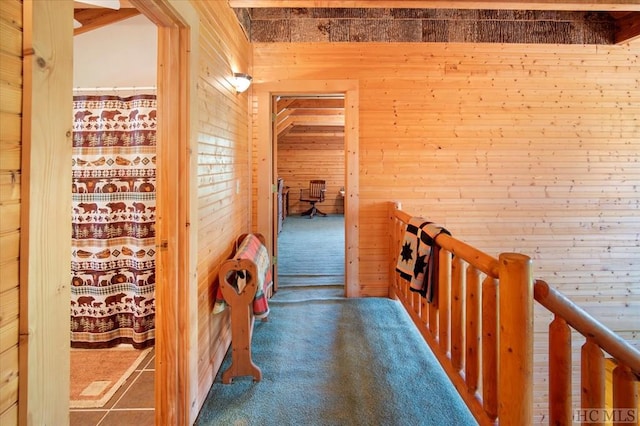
(242, 318)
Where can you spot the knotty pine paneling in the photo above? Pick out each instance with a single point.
(526, 148)
(223, 174)
(10, 203)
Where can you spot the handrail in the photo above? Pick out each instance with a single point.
(484, 262)
(585, 324)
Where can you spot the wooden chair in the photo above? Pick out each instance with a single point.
(314, 194)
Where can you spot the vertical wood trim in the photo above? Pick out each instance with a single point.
(264, 159)
(27, 95)
(352, 189)
(265, 165)
(47, 104)
(166, 384)
(274, 180)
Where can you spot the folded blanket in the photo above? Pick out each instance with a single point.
(417, 262)
(250, 248)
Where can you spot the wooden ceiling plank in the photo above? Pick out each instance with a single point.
(316, 135)
(309, 120)
(307, 112)
(317, 103)
(579, 5)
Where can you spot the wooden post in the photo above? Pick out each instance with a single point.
(559, 372)
(592, 377)
(515, 365)
(625, 395)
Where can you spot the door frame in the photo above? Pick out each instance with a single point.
(176, 354)
(266, 164)
(274, 154)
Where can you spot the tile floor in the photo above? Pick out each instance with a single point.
(132, 404)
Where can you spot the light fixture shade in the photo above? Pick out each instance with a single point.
(241, 81)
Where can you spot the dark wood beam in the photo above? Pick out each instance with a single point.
(628, 27)
(579, 5)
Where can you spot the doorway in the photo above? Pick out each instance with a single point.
(114, 169)
(175, 364)
(267, 164)
(308, 135)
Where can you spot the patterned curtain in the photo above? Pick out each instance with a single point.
(113, 236)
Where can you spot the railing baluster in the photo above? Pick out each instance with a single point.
(592, 372)
(457, 312)
(624, 395)
(559, 372)
(472, 359)
(424, 312)
(490, 347)
(433, 315)
(444, 289)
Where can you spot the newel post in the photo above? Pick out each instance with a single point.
(515, 362)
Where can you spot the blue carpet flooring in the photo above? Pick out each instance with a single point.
(331, 361)
(337, 361)
(311, 251)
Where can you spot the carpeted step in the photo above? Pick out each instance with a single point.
(309, 292)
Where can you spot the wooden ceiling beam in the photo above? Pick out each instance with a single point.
(283, 104)
(94, 18)
(628, 28)
(581, 5)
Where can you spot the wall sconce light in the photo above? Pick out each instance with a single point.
(241, 81)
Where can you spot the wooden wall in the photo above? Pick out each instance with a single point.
(10, 179)
(224, 172)
(526, 148)
(298, 163)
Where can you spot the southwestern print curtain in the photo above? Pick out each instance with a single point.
(113, 221)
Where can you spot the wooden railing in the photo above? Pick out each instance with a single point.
(567, 316)
(480, 328)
